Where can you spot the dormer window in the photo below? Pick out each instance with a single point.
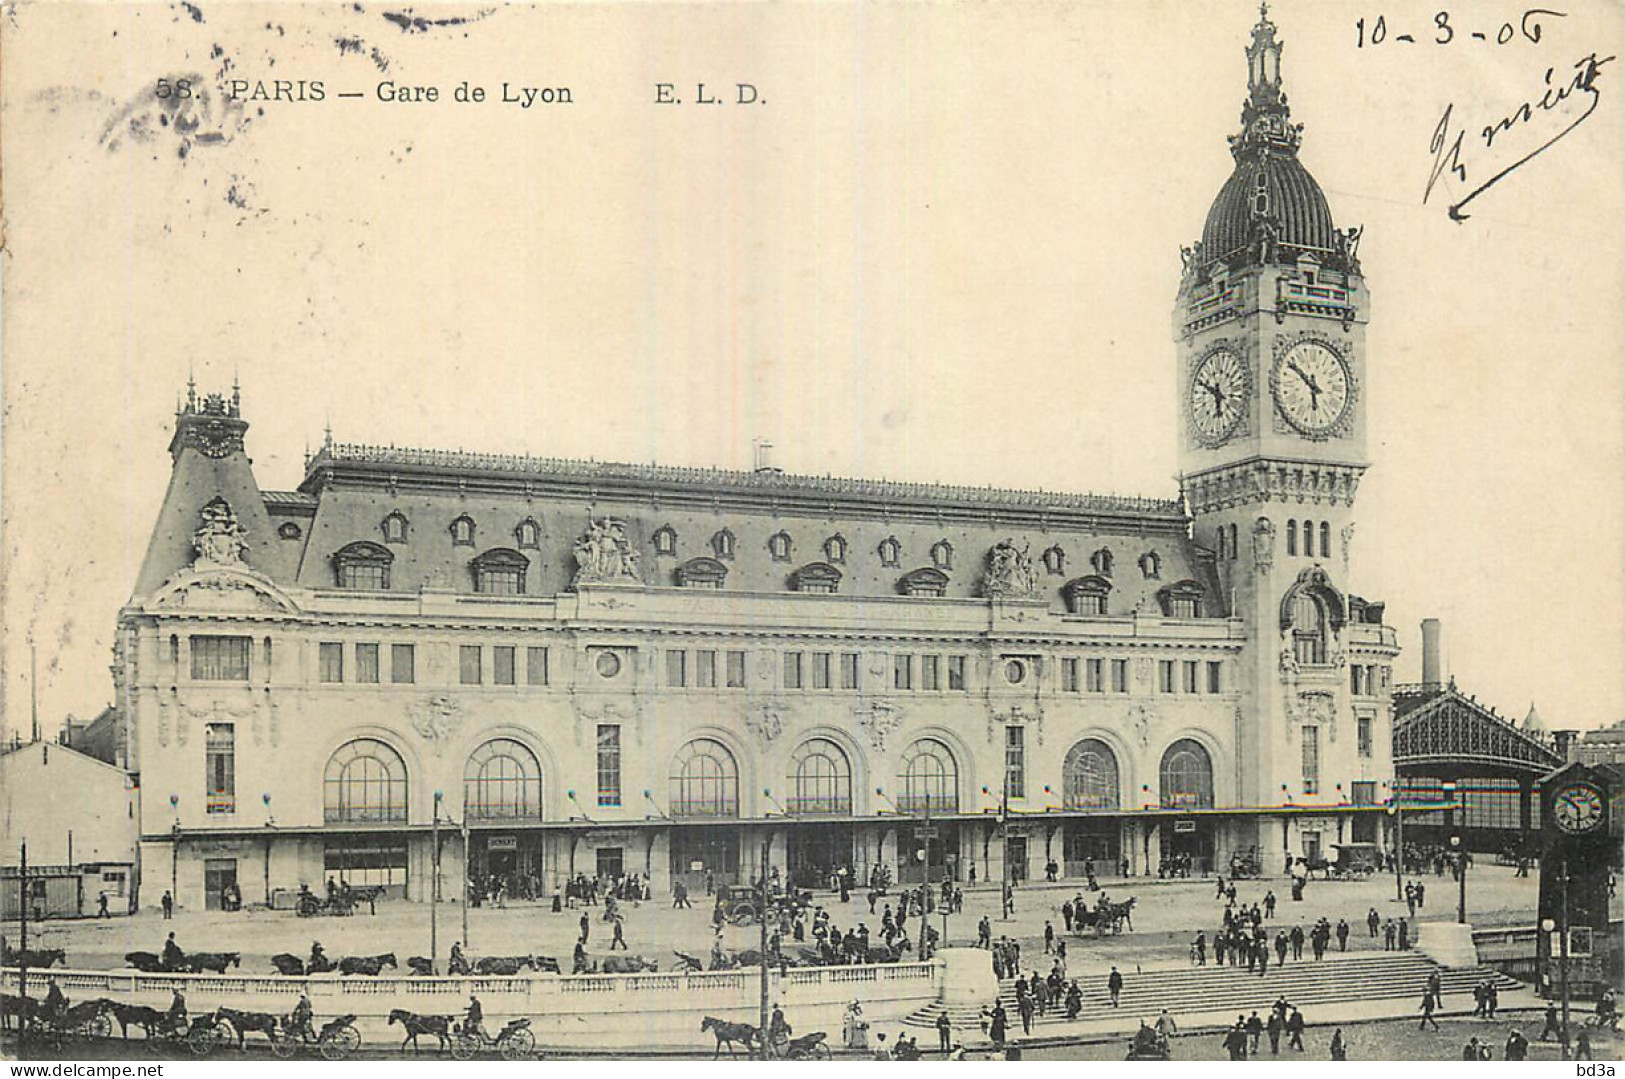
(363, 566)
(1151, 565)
(289, 531)
(500, 572)
(665, 540)
(702, 572)
(394, 527)
(528, 534)
(778, 545)
(1101, 560)
(1087, 595)
(891, 551)
(819, 577)
(1055, 560)
(723, 544)
(835, 549)
(462, 531)
(925, 581)
(1182, 600)
(942, 555)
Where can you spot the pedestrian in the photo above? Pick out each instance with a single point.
(586, 924)
(1235, 1040)
(1388, 936)
(998, 1026)
(1200, 948)
(620, 936)
(1404, 935)
(1297, 942)
(1025, 1006)
(1427, 1011)
(1273, 1027)
(1517, 1046)
(1342, 934)
(1294, 1029)
(944, 1031)
(101, 906)
(1049, 938)
(1066, 915)
(679, 893)
(1492, 994)
(168, 903)
(1114, 985)
(1551, 1028)
(1339, 1048)
(1421, 894)
(1373, 921)
(1582, 1043)
(1255, 1031)
(1269, 903)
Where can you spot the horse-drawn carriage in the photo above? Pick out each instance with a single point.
(1105, 917)
(742, 903)
(341, 901)
(1349, 861)
(1246, 865)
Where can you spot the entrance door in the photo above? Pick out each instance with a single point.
(697, 851)
(1091, 844)
(609, 863)
(218, 875)
(817, 851)
(1015, 858)
(1311, 847)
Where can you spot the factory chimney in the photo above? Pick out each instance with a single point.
(1430, 655)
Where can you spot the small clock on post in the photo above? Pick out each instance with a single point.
(1578, 808)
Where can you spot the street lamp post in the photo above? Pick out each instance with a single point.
(1459, 849)
(1399, 843)
(175, 848)
(434, 888)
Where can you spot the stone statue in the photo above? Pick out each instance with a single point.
(1263, 544)
(604, 555)
(219, 540)
(1010, 571)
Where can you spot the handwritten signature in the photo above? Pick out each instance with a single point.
(1447, 152)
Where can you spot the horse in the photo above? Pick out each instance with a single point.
(546, 964)
(20, 1010)
(217, 962)
(629, 964)
(36, 959)
(243, 1022)
(686, 963)
(289, 964)
(148, 1019)
(421, 966)
(1121, 912)
(438, 1025)
(145, 962)
(505, 965)
(366, 964)
(728, 1033)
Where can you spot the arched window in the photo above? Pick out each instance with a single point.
(701, 572)
(502, 781)
(704, 780)
(1222, 540)
(1182, 600)
(1187, 776)
(778, 546)
(1101, 560)
(928, 777)
(1308, 539)
(528, 534)
(1308, 629)
(1232, 543)
(1055, 560)
(363, 565)
(394, 527)
(820, 778)
(365, 782)
(665, 540)
(924, 581)
(835, 549)
(891, 551)
(1090, 776)
(1325, 539)
(816, 577)
(1292, 537)
(723, 544)
(1087, 595)
(462, 531)
(289, 530)
(1151, 564)
(500, 572)
(942, 554)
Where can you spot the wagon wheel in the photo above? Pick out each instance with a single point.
(518, 1045)
(308, 906)
(465, 1045)
(819, 1052)
(350, 1036)
(333, 1046)
(743, 916)
(283, 1046)
(99, 1027)
(200, 1040)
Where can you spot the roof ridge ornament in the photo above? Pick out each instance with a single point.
(1265, 116)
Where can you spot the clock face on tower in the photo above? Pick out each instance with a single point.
(1313, 388)
(1219, 391)
(1577, 808)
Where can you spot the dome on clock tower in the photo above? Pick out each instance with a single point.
(1270, 210)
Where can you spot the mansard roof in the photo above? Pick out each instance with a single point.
(1436, 726)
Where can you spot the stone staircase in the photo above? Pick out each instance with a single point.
(1310, 985)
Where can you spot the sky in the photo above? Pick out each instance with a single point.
(941, 243)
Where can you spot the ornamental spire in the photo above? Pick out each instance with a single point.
(1265, 117)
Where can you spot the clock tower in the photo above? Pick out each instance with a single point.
(1269, 329)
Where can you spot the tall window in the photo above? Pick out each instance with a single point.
(502, 665)
(366, 663)
(1309, 539)
(676, 667)
(792, 670)
(536, 666)
(1165, 676)
(220, 659)
(1119, 676)
(1015, 761)
(705, 668)
(665, 540)
(1363, 792)
(930, 672)
(1311, 759)
(330, 658)
(778, 546)
(928, 777)
(500, 572)
(1069, 675)
(1325, 539)
(1187, 776)
(1362, 735)
(902, 672)
(736, 670)
(956, 673)
(835, 548)
(1292, 537)
(468, 664)
(1089, 776)
(402, 664)
(1094, 673)
(704, 780)
(1308, 629)
(609, 764)
(820, 778)
(942, 554)
(394, 527)
(1188, 674)
(820, 670)
(365, 782)
(528, 534)
(462, 531)
(1215, 676)
(891, 552)
(502, 781)
(220, 765)
(849, 670)
(723, 544)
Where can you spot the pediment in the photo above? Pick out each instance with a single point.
(224, 589)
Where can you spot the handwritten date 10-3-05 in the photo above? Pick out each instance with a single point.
(1445, 31)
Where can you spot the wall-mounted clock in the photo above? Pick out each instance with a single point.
(1313, 388)
(1220, 388)
(1577, 808)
